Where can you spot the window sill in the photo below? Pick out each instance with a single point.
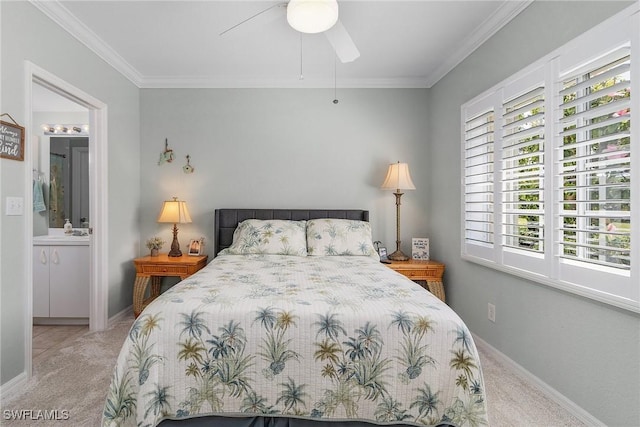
(619, 302)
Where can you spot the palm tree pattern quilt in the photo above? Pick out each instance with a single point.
(322, 338)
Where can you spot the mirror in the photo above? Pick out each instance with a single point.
(69, 181)
(61, 161)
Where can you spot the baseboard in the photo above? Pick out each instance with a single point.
(126, 314)
(13, 386)
(60, 321)
(543, 387)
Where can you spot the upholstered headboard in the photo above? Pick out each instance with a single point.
(226, 220)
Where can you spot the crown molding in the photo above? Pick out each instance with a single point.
(65, 19)
(159, 82)
(501, 17)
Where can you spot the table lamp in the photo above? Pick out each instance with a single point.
(398, 178)
(174, 211)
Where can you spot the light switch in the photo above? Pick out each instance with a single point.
(15, 206)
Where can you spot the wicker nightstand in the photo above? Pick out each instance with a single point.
(428, 271)
(154, 268)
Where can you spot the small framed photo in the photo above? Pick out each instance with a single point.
(420, 248)
(382, 251)
(196, 247)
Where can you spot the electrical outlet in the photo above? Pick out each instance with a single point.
(491, 312)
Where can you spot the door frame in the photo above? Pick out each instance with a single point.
(98, 200)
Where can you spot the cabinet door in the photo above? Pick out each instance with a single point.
(41, 281)
(69, 281)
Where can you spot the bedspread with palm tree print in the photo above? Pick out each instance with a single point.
(324, 338)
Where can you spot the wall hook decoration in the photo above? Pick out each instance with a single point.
(167, 155)
(188, 168)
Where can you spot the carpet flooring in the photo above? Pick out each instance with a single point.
(74, 377)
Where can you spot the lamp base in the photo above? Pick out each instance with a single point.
(398, 256)
(175, 245)
(176, 254)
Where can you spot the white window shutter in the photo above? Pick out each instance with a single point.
(594, 160)
(523, 147)
(478, 186)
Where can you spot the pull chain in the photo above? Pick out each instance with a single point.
(301, 75)
(335, 80)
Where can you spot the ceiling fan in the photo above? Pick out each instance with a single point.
(315, 16)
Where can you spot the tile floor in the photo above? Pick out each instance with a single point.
(47, 337)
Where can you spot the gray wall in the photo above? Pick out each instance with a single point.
(290, 148)
(28, 35)
(588, 351)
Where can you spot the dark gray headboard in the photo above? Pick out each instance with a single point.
(226, 220)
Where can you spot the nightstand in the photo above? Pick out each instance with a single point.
(151, 269)
(429, 271)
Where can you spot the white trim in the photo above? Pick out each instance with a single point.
(125, 314)
(98, 243)
(571, 288)
(505, 13)
(98, 176)
(28, 222)
(203, 82)
(550, 392)
(14, 386)
(68, 22)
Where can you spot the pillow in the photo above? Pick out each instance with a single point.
(329, 236)
(271, 236)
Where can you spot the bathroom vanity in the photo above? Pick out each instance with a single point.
(61, 280)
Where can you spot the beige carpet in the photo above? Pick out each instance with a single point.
(75, 377)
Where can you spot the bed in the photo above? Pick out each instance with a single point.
(295, 322)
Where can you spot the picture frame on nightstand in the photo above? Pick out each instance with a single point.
(196, 247)
(420, 248)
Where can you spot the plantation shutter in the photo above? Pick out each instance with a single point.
(523, 171)
(478, 179)
(594, 163)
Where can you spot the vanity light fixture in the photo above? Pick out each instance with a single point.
(398, 178)
(71, 129)
(174, 211)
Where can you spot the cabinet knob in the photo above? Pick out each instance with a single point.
(43, 257)
(55, 258)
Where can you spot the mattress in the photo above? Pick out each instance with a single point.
(326, 338)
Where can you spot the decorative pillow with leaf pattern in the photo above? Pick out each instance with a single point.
(271, 236)
(330, 237)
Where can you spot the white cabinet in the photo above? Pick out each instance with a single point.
(61, 281)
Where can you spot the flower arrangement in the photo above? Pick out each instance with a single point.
(155, 243)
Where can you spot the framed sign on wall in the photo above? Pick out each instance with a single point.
(11, 140)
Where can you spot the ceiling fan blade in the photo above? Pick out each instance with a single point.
(277, 5)
(342, 43)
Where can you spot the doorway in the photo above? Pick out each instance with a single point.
(36, 77)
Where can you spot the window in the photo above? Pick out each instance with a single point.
(547, 158)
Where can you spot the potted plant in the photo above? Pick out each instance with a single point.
(154, 244)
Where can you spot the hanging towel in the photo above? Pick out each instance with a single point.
(38, 197)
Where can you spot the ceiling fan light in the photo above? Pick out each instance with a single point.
(312, 16)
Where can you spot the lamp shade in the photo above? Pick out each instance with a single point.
(398, 178)
(312, 16)
(174, 211)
